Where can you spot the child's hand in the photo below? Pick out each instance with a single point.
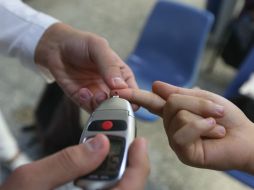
(189, 115)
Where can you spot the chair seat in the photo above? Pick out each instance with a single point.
(246, 178)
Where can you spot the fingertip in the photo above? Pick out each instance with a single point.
(98, 98)
(98, 144)
(220, 131)
(84, 99)
(157, 82)
(143, 143)
(219, 110)
(155, 85)
(85, 94)
(138, 157)
(138, 151)
(164, 89)
(122, 93)
(210, 121)
(161, 83)
(217, 132)
(102, 138)
(125, 94)
(118, 83)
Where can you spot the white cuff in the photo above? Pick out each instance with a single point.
(21, 29)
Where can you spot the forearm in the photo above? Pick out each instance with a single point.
(21, 29)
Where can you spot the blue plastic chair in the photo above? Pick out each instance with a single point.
(170, 47)
(243, 75)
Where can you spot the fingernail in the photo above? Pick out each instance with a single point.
(85, 94)
(221, 130)
(219, 109)
(94, 144)
(210, 121)
(118, 81)
(100, 97)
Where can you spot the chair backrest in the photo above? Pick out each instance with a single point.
(246, 68)
(176, 32)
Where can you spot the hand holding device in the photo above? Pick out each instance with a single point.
(114, 118)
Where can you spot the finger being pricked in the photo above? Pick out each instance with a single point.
(148, 100)
(164, 90)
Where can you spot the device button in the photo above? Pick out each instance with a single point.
(104, 177)
(93, 177)
(107, 125)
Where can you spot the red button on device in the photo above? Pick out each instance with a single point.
(107, 125)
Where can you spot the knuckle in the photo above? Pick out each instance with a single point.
(194, 125)
(171, 99)
(181, 117)
(206, 93)
(204, 104)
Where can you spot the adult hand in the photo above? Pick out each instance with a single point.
(83, 64)
(76, 161)
(187, 134)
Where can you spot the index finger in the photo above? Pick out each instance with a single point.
(149, 100)
(164, 90)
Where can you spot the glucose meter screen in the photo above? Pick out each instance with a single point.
(111, 165)
(114, 157)
(115, 148)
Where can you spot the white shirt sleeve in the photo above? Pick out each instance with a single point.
(21, 28)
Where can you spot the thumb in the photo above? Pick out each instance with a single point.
(65, 165)
(111, 71)
(75, 161)
(108, 62)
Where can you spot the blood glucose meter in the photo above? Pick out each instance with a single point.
(114, 118)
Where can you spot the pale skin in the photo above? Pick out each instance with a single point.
(83, 64)
(204, 129)
(87, 69)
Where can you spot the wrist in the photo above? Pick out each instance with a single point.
(249, 165)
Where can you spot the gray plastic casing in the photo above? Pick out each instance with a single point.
(114, 108)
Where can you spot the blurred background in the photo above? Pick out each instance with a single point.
(218, 61)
